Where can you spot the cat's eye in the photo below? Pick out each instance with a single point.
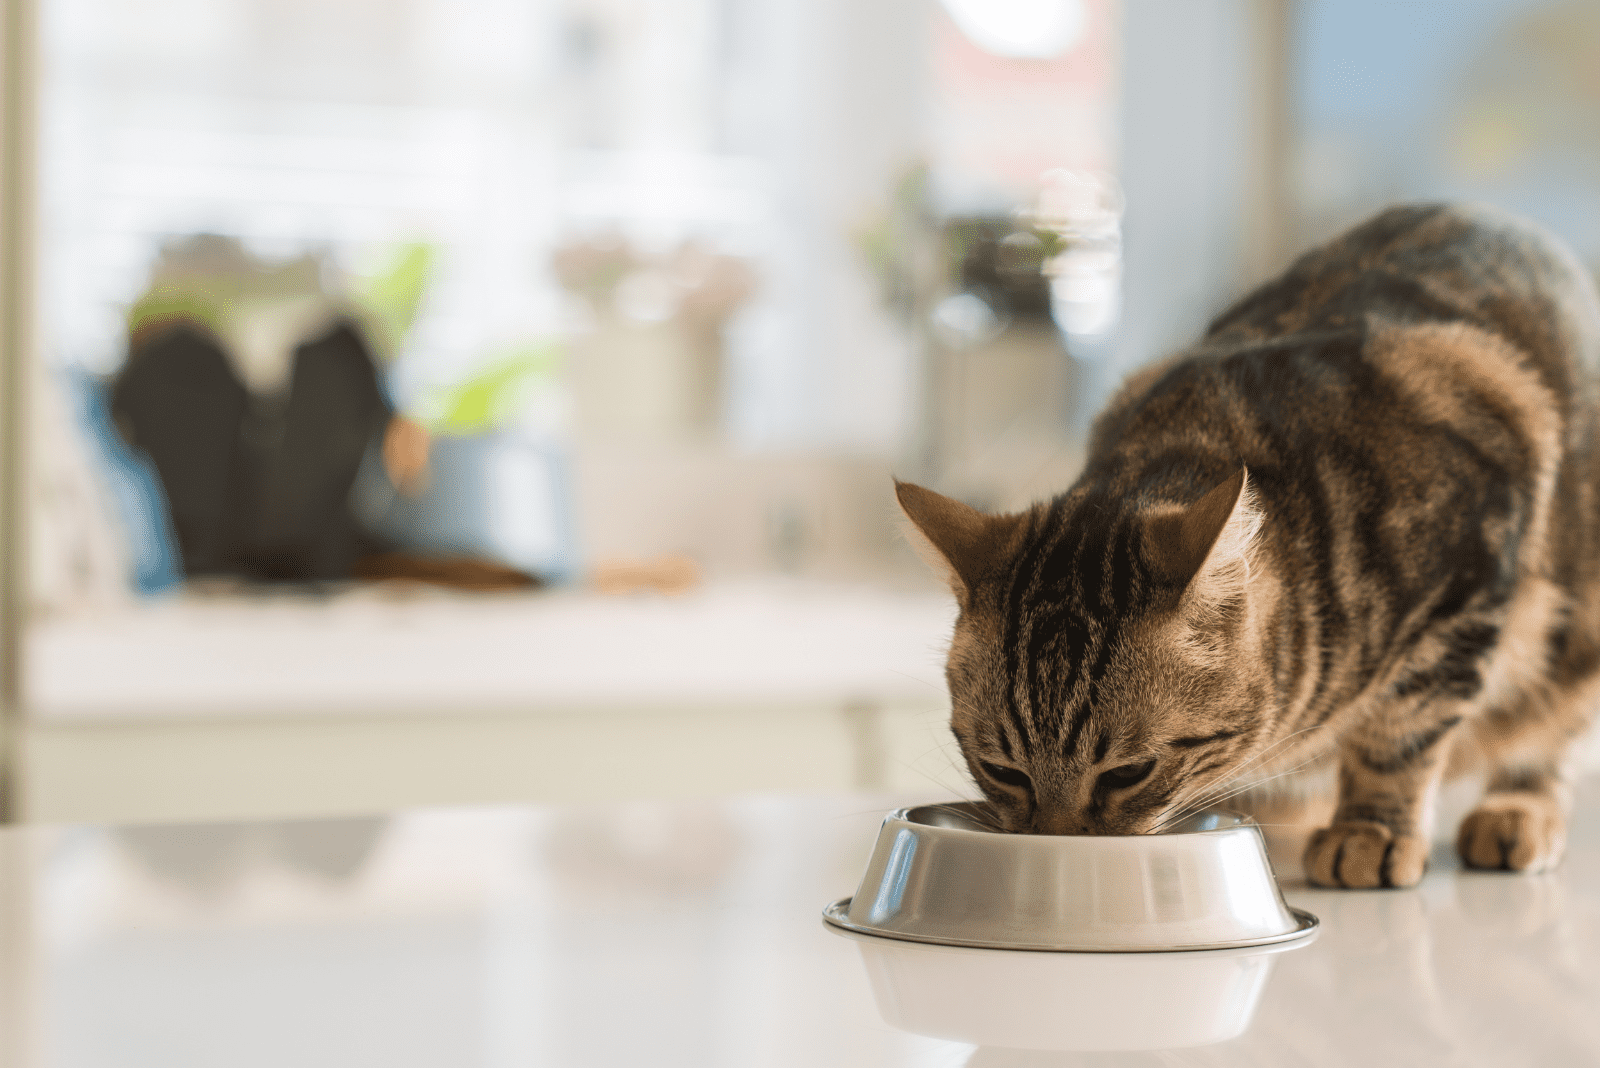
(1009, 776)
(1125, 776)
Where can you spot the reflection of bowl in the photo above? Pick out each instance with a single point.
(937, 875)
(1067, 1001)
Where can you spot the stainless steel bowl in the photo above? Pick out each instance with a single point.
(937, 875)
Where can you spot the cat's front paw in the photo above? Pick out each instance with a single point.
(1513, 832)
(1361, 854)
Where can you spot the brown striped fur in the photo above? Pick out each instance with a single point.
(1356, 524)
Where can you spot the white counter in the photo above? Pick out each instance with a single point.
(370, 650)
(685, 934)
(372, 700)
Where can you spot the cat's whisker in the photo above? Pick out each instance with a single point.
(1214, 794)
(1200, 804)
(1219, 795)
(980, 815)
(913, 678)
(1258, 783)
(1201, 796)
(1240, 767)
(1212, 801)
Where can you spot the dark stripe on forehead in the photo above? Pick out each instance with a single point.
(1048, 632)
(1068, 595)
(1118, 585)
(1011, 607)
(1052, 635)
(1067, 622)
(1097, 671)
(1056, 622)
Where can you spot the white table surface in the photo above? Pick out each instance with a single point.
(689, 934)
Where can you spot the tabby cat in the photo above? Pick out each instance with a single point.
(1357, 522)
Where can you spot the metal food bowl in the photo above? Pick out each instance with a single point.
(938, 875)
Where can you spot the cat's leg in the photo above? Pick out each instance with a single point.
(1521, 823)
(1389, 772)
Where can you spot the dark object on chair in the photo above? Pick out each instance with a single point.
(179, 403)
(257, 486)
(310, 453)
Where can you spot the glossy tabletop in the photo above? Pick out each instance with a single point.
(690, 934)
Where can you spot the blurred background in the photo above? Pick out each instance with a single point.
(445, 402)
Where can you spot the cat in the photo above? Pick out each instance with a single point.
(1358, 522)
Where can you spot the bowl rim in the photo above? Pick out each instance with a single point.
(1242, 821)
(836, 916)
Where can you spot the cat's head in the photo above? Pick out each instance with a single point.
(1104, 667)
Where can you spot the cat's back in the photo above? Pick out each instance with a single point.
(1465, 266)
(1431, 315)
(1433, 365)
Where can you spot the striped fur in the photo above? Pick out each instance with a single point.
(1356, 524)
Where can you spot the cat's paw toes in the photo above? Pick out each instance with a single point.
(1513, 832)
(1360, 854)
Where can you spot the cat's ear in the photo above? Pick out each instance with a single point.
(957, 540)
(1205, 547)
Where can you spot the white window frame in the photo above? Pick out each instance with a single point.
(18, 118)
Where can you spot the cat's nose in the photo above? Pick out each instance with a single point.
(1058, 822)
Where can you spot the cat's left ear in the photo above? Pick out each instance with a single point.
(960, 542)
(1205, 547)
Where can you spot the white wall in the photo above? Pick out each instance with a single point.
(844, 121)
(1196, 140)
